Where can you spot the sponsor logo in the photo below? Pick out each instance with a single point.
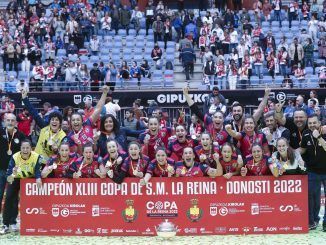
(246, 229)
(30, 230)
(203, 231)
(290, 208)
(95, 210)
(77, 99)
(223, 211)
(41, 230)
(220, 230)
(67, 231)
(297, 228)
(286, 228)
(129, 214)
(98, 230)
(190, 230)
(194, 213)
(162, 209)
(54, 230)
(254, 209)
(233, 229)
(78, 231)
(55, 212)
(213, 211)
(131, 231)
(258, 229)
(89, 231)
(148, 231)
(271, 228)
(116, 230)
(65, 212)
(35, 211)
(32, 211)
(172, 98)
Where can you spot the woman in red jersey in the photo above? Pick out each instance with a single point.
(135, 165)
(87, 166)
(58, 165)
(114, 159)
(161, 166)
(256, 162)
(248, 137)
(190, 168)
(230, 161)
(205, 151)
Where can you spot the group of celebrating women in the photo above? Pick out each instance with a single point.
(216, 148)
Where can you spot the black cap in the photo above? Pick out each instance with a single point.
(216, 88)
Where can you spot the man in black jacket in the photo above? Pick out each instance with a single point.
(188, 58)
(96, 77)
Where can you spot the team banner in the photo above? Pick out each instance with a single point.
(163, 98)
(197, 206)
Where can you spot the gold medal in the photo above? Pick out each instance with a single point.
(54, 166)
(183, 171)
(135, 172)
(9, 152)
(170, 169)
(79, 174)
(110, 173)
(50, 142)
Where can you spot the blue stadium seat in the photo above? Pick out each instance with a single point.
(23, 75)
(122, 32)
(157, 78)
(170, 44)
(141, 32)
(132, 32)
(138, 58)
(254, 81)
(84, 58)
(105, 58)
(309, 70)
(61, 52)
(278, 80)
(295, 23)
(168, 78)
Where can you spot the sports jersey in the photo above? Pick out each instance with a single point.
(85, 135)
(260, 168)
(115, 167)
(175, 148)
(161, 139)
(87, 170)
(247, 141)
(199, 150)
(231, 166)
(130, 165)
(219, 136)
(62, 167)
(156, 170)
(197, 170)
(43, 146)
(25, 168)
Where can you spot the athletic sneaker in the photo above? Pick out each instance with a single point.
(4, 230)
(312, 227)
(14, 228)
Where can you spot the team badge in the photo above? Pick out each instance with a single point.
(129, 214)
(16, 141)
(194, 213)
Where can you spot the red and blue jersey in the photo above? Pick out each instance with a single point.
(257, 169)
(175, 148)
(161, 139)
(129, 165)
(62, 167)
(156, 170)
(247, 141)
(197, 170)
(87, 170)
(85, 135)
(231, 166)
(115, 167)
(220, 136)
(199, 150)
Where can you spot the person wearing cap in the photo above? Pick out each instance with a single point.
(51, 135)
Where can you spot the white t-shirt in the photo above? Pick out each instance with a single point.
(112, 108)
